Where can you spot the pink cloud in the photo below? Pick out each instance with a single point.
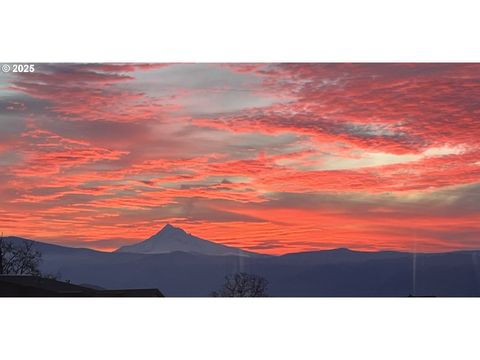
(88, 153)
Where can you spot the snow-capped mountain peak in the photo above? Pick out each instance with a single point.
(171, 238)
(169, 230)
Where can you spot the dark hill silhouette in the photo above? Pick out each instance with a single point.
(339, 272)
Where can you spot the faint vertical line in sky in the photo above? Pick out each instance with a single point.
(241, 263)
(414, 263)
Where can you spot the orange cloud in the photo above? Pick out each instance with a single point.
(366, 156)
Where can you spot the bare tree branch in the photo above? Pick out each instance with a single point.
(22, 259)
(243, 285)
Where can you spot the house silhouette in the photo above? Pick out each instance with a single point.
(35, 286)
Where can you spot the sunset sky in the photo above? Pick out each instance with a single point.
(273, 158)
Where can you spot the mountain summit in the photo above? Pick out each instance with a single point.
(172, 238)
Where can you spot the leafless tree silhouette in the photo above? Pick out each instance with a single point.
(243, 285)
(20, 259)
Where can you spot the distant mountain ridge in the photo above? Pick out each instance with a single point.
(171, 239)
(337, 272)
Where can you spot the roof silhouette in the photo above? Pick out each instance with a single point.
(35, 286)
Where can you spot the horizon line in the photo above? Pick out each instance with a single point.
(251, 251)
